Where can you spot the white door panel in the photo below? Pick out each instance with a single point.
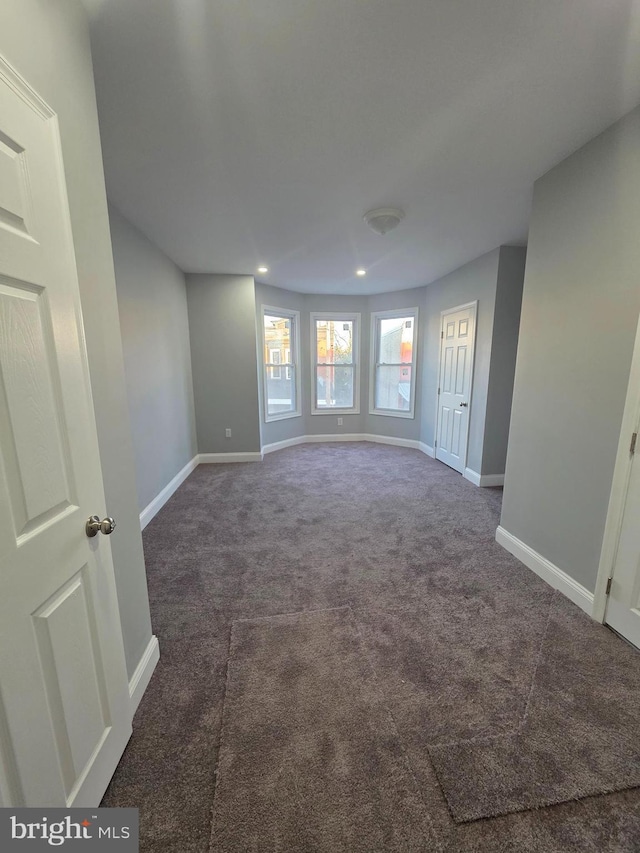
(455, 381)
(64, 700)
(623, 607)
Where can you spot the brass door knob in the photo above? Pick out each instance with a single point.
(95, 526)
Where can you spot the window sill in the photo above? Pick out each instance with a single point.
(335, 411)
(385, 413)
(285, 416)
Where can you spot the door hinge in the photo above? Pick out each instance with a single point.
(634, 438)
(435, 444)
(438, 390)
(608, 590)
(441, 335)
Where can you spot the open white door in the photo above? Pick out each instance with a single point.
(64, 701)
(623, 607)
(458, 333)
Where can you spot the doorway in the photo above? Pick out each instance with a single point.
(617, 596)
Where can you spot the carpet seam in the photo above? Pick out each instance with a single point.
(516, 731)
(289, 613)
(216, 775)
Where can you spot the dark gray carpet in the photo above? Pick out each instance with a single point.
(578, 735)
(310, 758)
(451, 624)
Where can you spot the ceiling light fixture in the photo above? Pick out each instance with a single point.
(383, 219)
(263, 269)
(361, 272)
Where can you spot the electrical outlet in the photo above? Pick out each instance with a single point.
(227, 432)
(339, 421)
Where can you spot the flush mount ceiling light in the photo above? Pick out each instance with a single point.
(361, 272)
(263, 269)
(383, 219)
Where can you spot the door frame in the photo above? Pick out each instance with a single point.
(466, 305)
(619, 486)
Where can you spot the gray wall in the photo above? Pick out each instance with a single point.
(49, 44)
(504, 346)
(579, 316)
(152, 302)
(222, 324)
(475, 280)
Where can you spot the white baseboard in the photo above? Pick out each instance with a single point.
(142, 676)
(472, 476)
(488, 480)
(426, 449)
(396, 442)
(213, 458)
(483, 480)
(160, 500)
(554, 576)
(287, 442)
(348, 436)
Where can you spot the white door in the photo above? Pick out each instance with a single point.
(457, 335)
(623, 606)
(64, 701)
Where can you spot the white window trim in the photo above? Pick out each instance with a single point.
(355, 319)
(384, 315)
(294, 316)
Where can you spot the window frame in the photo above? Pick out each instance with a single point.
(294, 348)
(376, 316)
(346, 317)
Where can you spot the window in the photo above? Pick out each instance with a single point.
(393, 360)
(280, 347)
(334, 355)
(275, 358)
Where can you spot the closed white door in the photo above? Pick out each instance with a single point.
(64, 701)
(457, 338)
(623, 606)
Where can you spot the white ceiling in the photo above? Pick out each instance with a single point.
(240, 132)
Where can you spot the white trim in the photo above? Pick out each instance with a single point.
(347, 316)
(143, 672)
(443, 314)
(160, 499)
(427, 449)
(208, 458)
(483, 480)
(294, 352)
(545, 569)
(471, 476)
(619, 485)
(373, 362)
(350, 436)
(389, 439)
(280, 445)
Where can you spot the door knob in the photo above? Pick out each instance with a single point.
(95, 526)
(463, 405)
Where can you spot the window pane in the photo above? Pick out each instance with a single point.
(281, 390)
(334, 387)
(334, 341)
(277, 338)
(396, 340)
(393, 388)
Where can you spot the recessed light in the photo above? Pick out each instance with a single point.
(263, 269)
(361, 272)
